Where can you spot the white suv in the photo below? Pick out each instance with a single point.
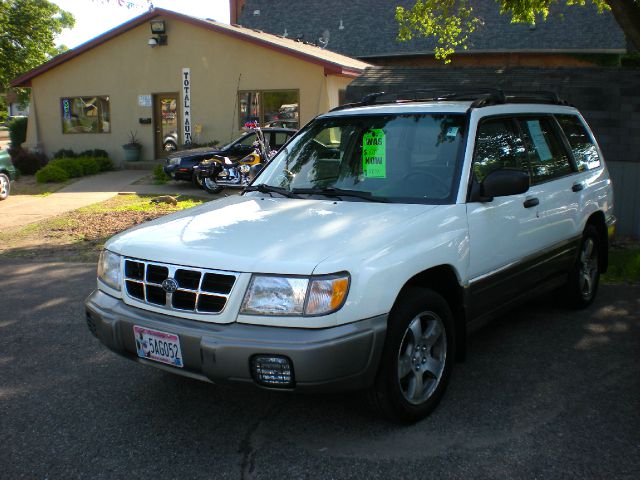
(367, 249)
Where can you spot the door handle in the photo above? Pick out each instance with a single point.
(576, 187)
(531, 202)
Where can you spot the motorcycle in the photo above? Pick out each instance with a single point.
(216, 173)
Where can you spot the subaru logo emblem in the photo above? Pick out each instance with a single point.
(169, 285)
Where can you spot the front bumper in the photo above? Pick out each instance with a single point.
(340, 358)
(178, 172)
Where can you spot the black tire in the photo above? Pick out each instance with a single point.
(211, 186)
(196, 181)
(411, 394)
(5, 186)
(584, 277)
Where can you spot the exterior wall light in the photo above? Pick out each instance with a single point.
(157, 40)
(158, 29)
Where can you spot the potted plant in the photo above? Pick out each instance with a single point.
(132, 148)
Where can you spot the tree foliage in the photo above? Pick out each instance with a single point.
(451, 22)
(28, 29)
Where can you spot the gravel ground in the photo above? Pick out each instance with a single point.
(544, 393)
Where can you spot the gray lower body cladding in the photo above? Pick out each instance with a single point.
(345, 357)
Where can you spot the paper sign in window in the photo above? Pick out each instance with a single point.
(539, 142)
(452, 132)
(374, 154)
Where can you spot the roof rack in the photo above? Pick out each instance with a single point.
(539, 96)
(480, 97)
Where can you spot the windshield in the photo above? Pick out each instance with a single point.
(409, 158)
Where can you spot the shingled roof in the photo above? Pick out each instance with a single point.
(370, 30)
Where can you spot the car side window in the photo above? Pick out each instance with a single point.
(247, 140)
(498, 147)
(549, 158)
(582, 146)
(278, 139)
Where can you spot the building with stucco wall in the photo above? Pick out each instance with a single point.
(191, 79)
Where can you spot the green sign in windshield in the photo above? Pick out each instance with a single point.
(374, 154)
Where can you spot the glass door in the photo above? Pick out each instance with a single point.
(166, 123)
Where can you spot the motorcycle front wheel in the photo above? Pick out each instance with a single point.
(196, 181)
(211, 186)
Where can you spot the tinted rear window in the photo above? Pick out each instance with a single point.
(582, 146)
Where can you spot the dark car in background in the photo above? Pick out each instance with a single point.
(179, 165)
(7, 174)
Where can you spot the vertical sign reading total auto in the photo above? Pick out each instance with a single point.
(186, 105)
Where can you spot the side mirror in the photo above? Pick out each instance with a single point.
(502, 183)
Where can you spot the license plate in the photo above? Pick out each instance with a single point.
(158, 346)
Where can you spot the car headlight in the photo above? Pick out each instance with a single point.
(281, 295)
(109, 269)
(174, 161)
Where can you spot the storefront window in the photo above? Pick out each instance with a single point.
(270, 108)
(86, 115)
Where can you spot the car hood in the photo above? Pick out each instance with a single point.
(263, 234)
(197, 151)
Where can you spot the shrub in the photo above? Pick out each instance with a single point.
(74, 167)
(159, 177)
(104, 163)
(18, 131)
(51, 174)
(65, 153)
(69, 165)
(95, 153)
(26, 161)
(89, 165)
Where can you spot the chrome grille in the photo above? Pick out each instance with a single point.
(198, 290)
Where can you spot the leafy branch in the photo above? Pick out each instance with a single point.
(451, 22)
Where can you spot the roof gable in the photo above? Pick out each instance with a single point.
(334, 63)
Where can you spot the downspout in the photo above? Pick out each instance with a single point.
(322, 91)
(235, 108)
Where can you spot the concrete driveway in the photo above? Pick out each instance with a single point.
(20, 210)
(545, 393)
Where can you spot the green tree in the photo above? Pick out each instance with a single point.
(452, 21)
(28, 29)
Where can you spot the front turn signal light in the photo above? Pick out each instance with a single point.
(327, 294)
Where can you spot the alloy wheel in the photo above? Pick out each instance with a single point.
(421, 357)
(588, 268)
(4, 185)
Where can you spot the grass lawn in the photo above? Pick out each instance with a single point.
(624, 263)
(79, 235)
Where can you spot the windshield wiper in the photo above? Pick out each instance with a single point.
(264, 188)
(338, 192)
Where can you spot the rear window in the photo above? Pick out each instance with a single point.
(549, 157)
(584, 150)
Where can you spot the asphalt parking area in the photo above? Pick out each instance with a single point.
(544, 393)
